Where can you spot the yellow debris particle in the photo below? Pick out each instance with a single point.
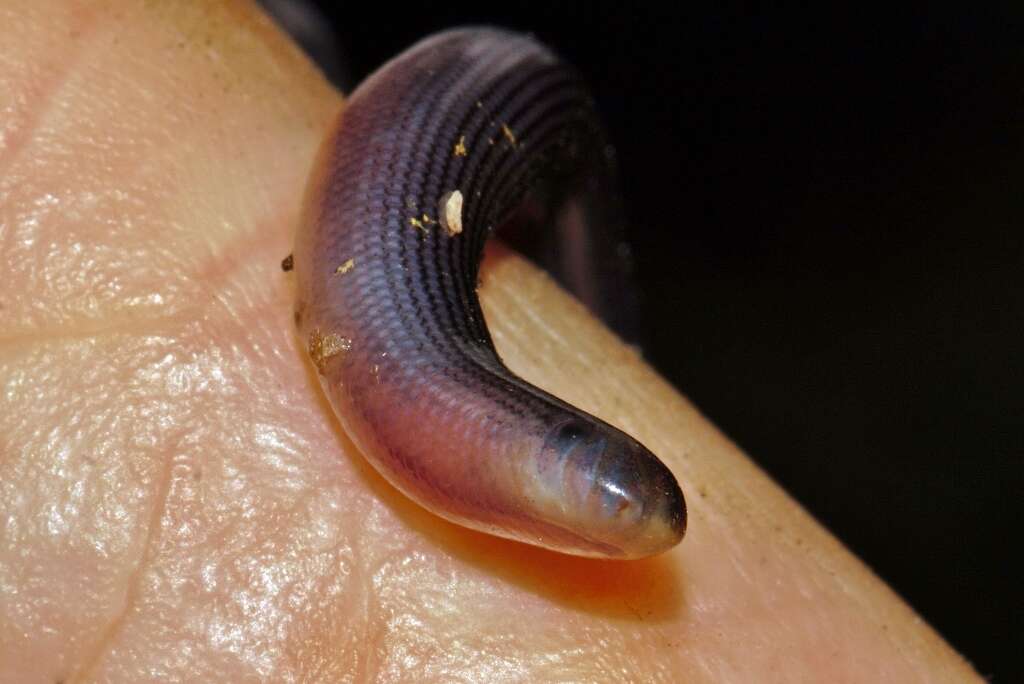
(422, 222)
(451, 212)
(323, 347)
(509, 135)
(345, 267)
(460, 147)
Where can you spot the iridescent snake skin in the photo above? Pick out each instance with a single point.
(453, 138)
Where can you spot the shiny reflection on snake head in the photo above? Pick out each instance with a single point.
(606, 486)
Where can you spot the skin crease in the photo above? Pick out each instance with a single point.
(176, 500)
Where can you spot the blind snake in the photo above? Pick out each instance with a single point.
(442, 144)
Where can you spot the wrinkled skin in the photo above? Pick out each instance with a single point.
(176, 499)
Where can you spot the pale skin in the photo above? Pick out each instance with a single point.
(177, 500)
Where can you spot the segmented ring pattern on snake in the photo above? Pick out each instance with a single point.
(434, 151)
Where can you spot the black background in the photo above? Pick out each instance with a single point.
(826, 212)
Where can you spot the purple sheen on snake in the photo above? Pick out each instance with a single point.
(458, 135)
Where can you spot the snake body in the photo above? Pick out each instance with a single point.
(456, 136)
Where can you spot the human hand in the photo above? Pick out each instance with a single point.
(177, 500)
